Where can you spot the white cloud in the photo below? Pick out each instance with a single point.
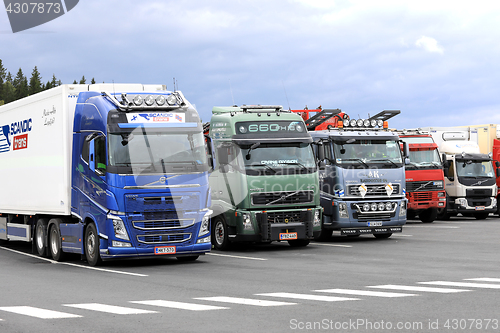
(429, 44)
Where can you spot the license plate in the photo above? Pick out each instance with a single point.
(374, 224)
(165, 250)
(288, 235)
(480, 208)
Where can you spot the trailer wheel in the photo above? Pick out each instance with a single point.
(220, 238)
(55, 246)
(92, 245)
(298, 242)
(383, 236)
(428, 215)
(41, 237)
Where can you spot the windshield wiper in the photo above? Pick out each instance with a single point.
(385, 160)
(296, 163)
(265, 165)
(355, 159)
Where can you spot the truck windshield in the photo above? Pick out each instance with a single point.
(156, 151)
(424, 159)
(475, 169)
(363, 153)
(274, 158)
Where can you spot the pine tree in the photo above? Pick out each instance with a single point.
(82, 81)
(9, 92)
(2, 78)
(54, 82)
(35, 85)
(21, 85)
(93, 81)
(74, 82)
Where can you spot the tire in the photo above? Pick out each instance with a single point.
(220, 238)
(383, 236)
(55, 246)
(92, 245)
(443, 214)
(41, 237)
(481, 216)
(324, 235)
(428, 215)
(299, 242)
(188, 258)
(410, 215)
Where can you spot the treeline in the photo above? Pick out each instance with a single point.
(14, 88)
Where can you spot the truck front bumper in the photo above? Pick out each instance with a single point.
(160, 250)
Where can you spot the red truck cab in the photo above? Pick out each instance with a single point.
(424, 176)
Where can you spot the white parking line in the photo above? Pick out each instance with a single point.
(432, 226)
(237, 257)
(37, 312)
(309, 297)
(418, 288)
(337, 245)
(244, 301)
(484, 279)
(71, 264)
(109, 308)
(180, 305)
(464, 284)
(365, 293)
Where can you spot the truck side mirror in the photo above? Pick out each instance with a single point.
(497, 164)
(498, 172)
(222, 155)
(92, 155)
(406, 152)
(209, 150)
(321, 155)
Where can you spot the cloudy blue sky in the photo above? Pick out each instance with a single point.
(436, 61)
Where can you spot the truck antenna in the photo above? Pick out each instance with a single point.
(289, 108)
(231, 90)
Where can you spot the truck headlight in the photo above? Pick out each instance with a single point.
(205, 224)
(461, 202)
(343, 210)
(119, 227)
(247, 222)
(402, 210)
(494, 202)
(317, 221)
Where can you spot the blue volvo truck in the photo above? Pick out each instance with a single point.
(362, 174)
(106, 171)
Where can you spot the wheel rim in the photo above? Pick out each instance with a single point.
(39, 236)
(54, 246)
(219, 232)
(91, 244)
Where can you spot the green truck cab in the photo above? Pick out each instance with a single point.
(265, 184)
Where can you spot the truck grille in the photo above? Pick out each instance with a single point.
(423, 186)
(282, 198)
(163, 238)
(161, 219)
(283, 217)
(425, 196)
(480, 193)
(372, 190)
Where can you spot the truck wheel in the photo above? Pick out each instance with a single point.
(383, 236)
(41, 237)
(324, 235)
(481, 216)
(188, 258)
(55, 246)
(92, 245)
(220, 238)
(443, 215)
(428, 215)
(298, 242)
